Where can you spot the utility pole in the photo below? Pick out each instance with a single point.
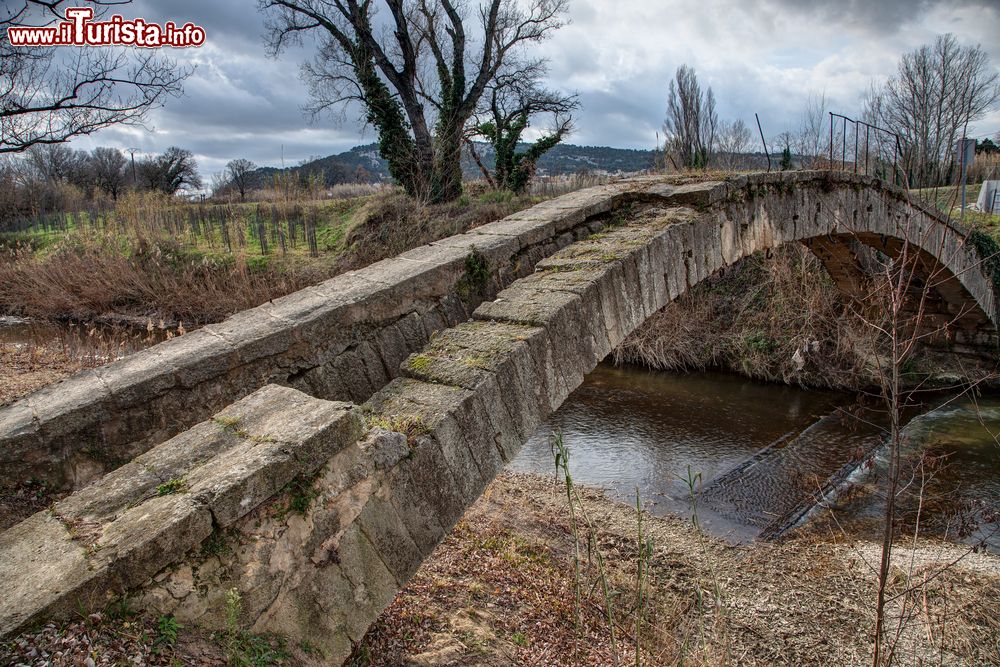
(132, 152)
(967, 154)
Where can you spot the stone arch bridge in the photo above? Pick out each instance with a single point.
(312, 451)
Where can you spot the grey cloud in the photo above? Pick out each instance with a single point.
(877, 16)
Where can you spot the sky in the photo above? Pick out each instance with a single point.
(763, 56)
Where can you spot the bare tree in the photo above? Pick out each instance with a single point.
(170, 172)
(238, 174)
(935, 93)
(50, 95)
(108, 168)
(691, 122)
(734, 141)
(901, 306)
(811, 143)
(419, 77)
(508, 106)
(53, 163)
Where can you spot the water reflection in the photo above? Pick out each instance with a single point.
(627, 427)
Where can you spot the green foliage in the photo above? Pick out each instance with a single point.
(496, 197)
(216, 544)
(301, 493)
(385, 113)
(477, 275)
(514, 170)
(309, 649)
(989, 255)
(758, 341)
(476, 269)
(259, 263)
(175, 485)
(168, 629)
(786, 159)
(245, 649)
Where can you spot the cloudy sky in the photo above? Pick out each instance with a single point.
(764, 56)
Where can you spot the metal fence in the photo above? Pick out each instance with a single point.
(871, 153)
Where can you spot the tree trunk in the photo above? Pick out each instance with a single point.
(447, 180)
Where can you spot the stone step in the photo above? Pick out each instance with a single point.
(118, 532)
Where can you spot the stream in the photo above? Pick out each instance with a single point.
(756, 459)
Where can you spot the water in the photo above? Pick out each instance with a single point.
(957, 490)
(757, 455)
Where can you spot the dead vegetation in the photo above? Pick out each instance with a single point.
(154, 262)
(393, 223)
(25, 369)
(499, 591)
(773, 316)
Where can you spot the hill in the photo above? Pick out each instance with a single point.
(364, 164)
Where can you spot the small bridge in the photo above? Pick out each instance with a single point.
(311, 452)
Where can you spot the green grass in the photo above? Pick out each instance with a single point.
(332, 219)
(947, 199)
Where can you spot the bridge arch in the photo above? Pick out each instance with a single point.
(468, 401)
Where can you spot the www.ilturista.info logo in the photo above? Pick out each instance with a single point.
(80, 30)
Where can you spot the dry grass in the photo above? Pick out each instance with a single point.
(46, 354)
(388, 225)
(95, 281)
(197, 265)
(499, 591)
(25, 369)
(778, 319)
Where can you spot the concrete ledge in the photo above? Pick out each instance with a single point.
(116, 533)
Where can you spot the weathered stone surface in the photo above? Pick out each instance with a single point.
(314, 339)
(120, 531)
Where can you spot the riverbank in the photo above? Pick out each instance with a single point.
(500, 591)
(779, 317)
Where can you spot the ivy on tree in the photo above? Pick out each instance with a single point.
(512, 100)
(419, 73)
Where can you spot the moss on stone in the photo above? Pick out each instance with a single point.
(172, 486)
(410, 425)
(419, 363)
